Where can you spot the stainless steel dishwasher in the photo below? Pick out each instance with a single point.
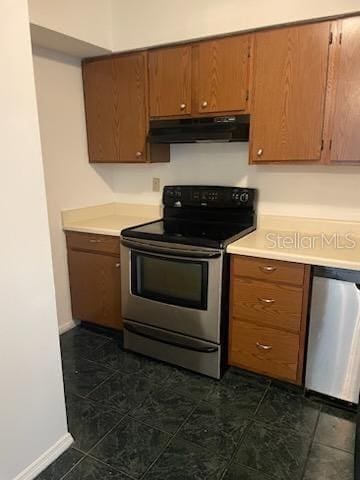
(333, 357)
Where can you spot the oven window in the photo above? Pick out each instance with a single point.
(171, 281)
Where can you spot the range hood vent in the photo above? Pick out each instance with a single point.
(200, 130)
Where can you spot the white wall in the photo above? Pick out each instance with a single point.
(32, 409)
(85, 20)
(70, 180)
(315, 191)
(142, 23)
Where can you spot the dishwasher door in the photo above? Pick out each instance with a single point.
(333, 357)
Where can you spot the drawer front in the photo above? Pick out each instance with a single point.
(93, 242)
(272, 270)
(264, 350)
(271, 304)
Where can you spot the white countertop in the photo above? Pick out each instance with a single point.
(109, 219)
(329, 243)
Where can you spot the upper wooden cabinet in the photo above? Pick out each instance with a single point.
(290, 79)
(99, 107)
(130, 104)
(344, 138)
(221, 75)
(200, 79)
(116, 104)
(170, 81)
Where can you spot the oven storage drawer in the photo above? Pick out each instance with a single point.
(265, 350)
(270, 270)
(187, 352)
(272, 304)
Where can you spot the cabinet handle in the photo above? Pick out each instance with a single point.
(117, 265)
(95, 240)
(268, 269)
(259, 152)
(261, 346)
(183, 106)
(204, 104)
(138, 154)
(266, 300)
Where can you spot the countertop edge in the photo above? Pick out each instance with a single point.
(293, 257)
(98, 231)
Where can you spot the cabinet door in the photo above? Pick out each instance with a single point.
(99, 107)
(290, 75)
(221, 69)
(115, 91)
(170, 81)
(130, 104)
(345, 138)
(95, 288)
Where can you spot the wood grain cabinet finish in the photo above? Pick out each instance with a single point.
(98, 82)
(344, 138)
(170, 81)
(251, 347)
(269, 270)
(94, 273)
(288, 97)
(221, 75)
(268, 318)
(273, 304)
(116, 105)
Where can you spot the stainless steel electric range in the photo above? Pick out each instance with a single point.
(175, 275)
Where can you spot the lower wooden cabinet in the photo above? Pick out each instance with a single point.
(94, 272)
(268, 317)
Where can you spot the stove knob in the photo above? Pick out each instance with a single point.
(244, 197)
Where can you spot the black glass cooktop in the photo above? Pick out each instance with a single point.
(209, 234)
(209, 216)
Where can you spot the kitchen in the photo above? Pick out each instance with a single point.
(249, 335)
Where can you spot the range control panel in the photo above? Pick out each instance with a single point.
(208, 196)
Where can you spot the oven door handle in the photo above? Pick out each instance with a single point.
(151, 248)
(175, 343)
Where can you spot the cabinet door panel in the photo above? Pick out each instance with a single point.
(222, 74)
(99, 107)
(346, 120)
(95, 288)
(170, 81)
(130, 107)
(290, 75)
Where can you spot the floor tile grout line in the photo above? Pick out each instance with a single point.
(171, 439)
(244, 433)
(126, 415)
(101, 383)
(310, 446)
(106, 434)
(72, 468)
(110, 466)
(236, 449)
(316, 442)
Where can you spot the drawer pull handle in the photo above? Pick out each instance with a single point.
(268, 269)
(268, 301)
(93, 240)
(260, 346)
(117, 265)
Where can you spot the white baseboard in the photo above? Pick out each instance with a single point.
(67, 326)
(46, 458)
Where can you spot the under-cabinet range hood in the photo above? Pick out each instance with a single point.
(200, 130)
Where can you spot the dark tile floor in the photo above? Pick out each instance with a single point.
(135, 418)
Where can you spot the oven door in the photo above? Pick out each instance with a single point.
(173, 287)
